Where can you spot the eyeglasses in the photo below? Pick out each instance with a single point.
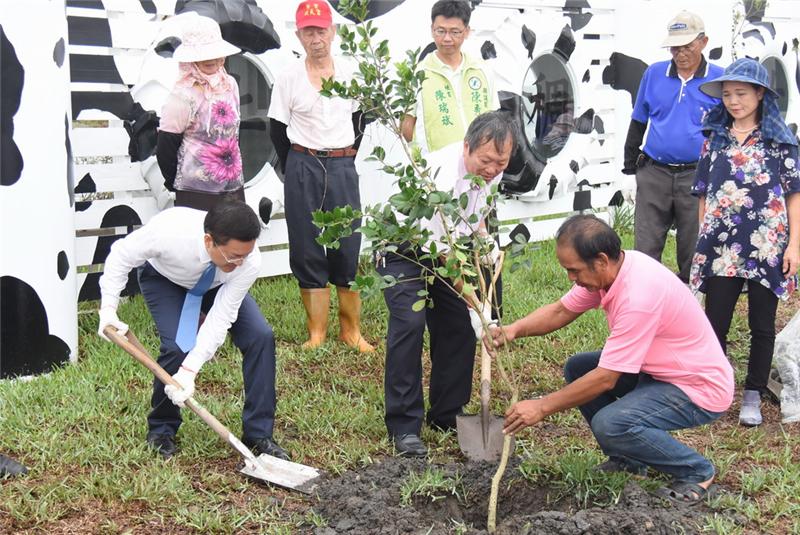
(237, 260)
(455, 34)
(688, 47)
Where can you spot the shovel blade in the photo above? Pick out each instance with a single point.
(286, 474)
(471, 441)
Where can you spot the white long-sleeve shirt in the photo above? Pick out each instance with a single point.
(172, 241)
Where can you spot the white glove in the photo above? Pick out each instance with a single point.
(185, 378)
(108, 317)
(475, 320)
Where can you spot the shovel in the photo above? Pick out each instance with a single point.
(480, 437)
(266, 468)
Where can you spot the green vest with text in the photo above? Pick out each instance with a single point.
(445, 119)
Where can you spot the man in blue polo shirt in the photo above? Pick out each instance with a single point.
(670, 100)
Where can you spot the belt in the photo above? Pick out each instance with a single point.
(675, 167)
(346, 152)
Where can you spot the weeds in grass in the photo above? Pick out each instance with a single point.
(432, 484)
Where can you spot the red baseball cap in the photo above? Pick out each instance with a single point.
(313, 13)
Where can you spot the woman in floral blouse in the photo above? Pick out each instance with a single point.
(748, 183)
(198, 140)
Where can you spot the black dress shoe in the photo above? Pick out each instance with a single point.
(268, 446)
(9, 467)
(409, 445)
(163, 444)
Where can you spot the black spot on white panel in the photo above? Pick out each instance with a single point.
(624, 73)
(617, 199)
(26, 345)
(754, 9)
(242, 22)
(585, 123)
(58, 52)
(148, 6)
(767, 26)
(70, 169)
(574, 167)
(118, 216)
(784, 49)
(565, 44)
(12, 78)
(552, 185)
(97, 69)
(755, 34)
(715, 53)
(574, 10)
(166, 47)
(85, 4)
(586, 76)
(599, 127)
(62, 265)
(89, 31)
(520, 234)
(488, 51)
(528, 40)
(427, 50)
(86, 185)
(119, 104)
(374, 9)
(265, 209)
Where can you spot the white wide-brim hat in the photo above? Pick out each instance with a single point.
(202, 40)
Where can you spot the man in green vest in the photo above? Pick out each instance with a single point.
(456, 88)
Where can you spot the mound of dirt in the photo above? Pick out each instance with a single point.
(375, 500)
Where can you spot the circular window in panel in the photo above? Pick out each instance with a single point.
(255, 93)
(777, 76)
(548, 105)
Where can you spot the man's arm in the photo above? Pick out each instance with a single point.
(582, 390)
(407, 127)
(632, 143)
(541, 321)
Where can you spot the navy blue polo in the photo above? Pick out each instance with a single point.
(674, 110)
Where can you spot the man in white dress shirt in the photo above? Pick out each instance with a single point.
(485, 152)
(317, 139)
(181, 254)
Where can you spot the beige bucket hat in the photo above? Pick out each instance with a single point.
(202, 40)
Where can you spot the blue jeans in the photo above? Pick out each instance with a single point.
(250, 333)
(631, 422)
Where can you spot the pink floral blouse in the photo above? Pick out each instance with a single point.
(209, 159)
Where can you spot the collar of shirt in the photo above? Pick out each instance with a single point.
(701, 72)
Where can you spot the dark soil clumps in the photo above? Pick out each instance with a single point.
(369, 501)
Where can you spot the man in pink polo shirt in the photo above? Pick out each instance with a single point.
(661, 368)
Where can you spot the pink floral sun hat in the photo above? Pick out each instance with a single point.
(202, 40)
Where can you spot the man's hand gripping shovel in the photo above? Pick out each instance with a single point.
(264, 467)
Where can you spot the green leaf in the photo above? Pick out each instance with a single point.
(418, 305)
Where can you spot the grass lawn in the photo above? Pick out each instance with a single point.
(81, 429)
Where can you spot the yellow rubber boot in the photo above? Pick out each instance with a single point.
(317, 301)
(349, 319)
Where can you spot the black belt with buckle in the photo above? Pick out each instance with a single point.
(345, 152)
(674, 167)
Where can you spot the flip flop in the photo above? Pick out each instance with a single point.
(685, 493)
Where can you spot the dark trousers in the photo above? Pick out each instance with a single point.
(632, 421)
(250, 333)
(664, 198)
(452, 344)
(721, 296)
(311, 184)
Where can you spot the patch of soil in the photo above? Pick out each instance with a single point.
(369, 501)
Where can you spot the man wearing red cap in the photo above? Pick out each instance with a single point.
(317, 139)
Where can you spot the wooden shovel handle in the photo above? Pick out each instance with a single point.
(134, 348)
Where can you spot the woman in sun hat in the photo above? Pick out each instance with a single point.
(748, 182)
(198, 141)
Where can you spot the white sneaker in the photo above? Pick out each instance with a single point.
(750, 413)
